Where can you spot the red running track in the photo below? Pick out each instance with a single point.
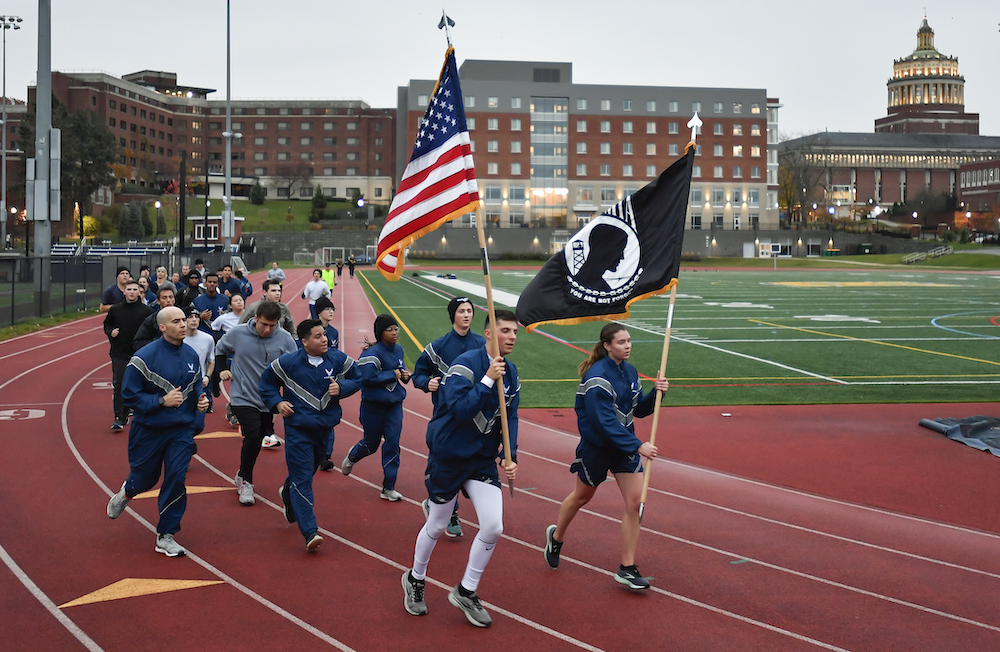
(774, 528)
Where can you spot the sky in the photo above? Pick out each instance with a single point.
(827, 62)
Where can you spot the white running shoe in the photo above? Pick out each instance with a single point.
(118, 503)
(165, 543)
(270, 441)
(245, 490)
(391, 495)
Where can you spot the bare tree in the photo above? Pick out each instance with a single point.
(803, 172)
(293, 176)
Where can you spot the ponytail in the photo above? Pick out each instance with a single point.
(607, 336)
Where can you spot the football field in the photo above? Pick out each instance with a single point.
(753, 336)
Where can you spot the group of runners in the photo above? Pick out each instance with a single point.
(303, 378)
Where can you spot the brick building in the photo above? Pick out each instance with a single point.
(550, 152)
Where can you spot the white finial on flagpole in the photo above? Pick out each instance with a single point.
(444, 24)
(694, 123)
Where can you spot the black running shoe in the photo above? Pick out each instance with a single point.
(326, 465)
(287, 502)
(552, 547)
(632, 578)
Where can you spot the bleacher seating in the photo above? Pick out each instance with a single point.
(64, 249)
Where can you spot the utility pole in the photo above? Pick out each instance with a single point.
(43, 171)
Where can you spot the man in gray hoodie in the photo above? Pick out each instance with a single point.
(253, 346)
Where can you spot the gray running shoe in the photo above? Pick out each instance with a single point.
(413, 595)
(346, 465)
(454, 528)
(471, 607)
(118, 503)
(246, 491)
(165, 543)
(426, 507)
(552, 547)
(632, 578)
(313, 541)
(391, 495)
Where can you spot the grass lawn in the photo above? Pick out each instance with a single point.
(759, 336)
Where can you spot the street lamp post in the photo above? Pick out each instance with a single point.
(159, 219)
(6, 22)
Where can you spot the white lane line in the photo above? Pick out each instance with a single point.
(52, 361)
(195, 558)
(795, 492)
(11, 355)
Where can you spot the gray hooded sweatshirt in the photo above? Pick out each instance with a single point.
(251, 355)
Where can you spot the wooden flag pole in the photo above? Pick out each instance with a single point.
(495, 342)
(659, 396)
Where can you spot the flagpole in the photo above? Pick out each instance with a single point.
(495, 343)
(659, 395)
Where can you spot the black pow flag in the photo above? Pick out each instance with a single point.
(630, 252)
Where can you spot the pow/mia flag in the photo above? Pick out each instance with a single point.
(630, 252)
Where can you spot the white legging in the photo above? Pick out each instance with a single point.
(488, 503)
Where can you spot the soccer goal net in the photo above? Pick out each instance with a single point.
(308, 259)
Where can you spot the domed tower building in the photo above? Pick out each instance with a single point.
(926, 93)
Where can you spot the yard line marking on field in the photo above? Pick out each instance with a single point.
(500, 296)
(860, 339)
(389, 308)
(743, 355)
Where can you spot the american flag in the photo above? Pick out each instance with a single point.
(439, 183)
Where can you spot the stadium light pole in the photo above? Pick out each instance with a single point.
(7, 22)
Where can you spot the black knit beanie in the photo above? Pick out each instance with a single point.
(455, 303)
(382, 322)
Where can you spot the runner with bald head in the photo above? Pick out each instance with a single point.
(163, 385)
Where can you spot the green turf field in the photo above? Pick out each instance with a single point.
(758, 336)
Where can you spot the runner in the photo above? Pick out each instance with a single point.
(608, 397)
(121, 325)
(465, 439)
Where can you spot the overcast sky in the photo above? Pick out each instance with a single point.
(828, 62)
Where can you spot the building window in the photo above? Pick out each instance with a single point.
(329, 126)
(306, 140)
(378, 193)
(753, 197)
(282, 156)
(352, 126)
(650, 149)
(212, 231)
(672, 149)
(492, 124)
(470, 101)
(718, 197)
(515, 124)
(737, 130)
(755, 109)
(755, 172)
(696, 171)
(627, 149)
(515, 147)
(650, 105)
(626, 170)
(716, 150)
(260, 140)
(470, 123)
(581, 126)
(284, 126)
(605, 126)
(260, 172)
(605, 148)
(737, 107)
(353, 156)
(755, 151)
(283, 111)
(493, 194)
(353, 141)
(737, 196)
(307, 191)
(738, 172)
(260, 126)
(352, 172)
(755, 130)
(422, 100)
(627, 127)
(605, 105)
(718, 129)
(329, 140)
(626, 105)
(493, 101)
(737, 151)
(581, 148)
(696, 196)
(304, 126)
(585, 195)
(717, 219)
(650, 127)
(492, 168)
(717, 172)
(305, 156)
(581, 169)
(493, 146)
(330, 172)
(515, 102)
(695, 107)
(651, 171)
(717, 107)
(515, 169)
(605, 170)
(329, 156)
(672, 128)
(260, 156)
(581, 104)
(284, 140)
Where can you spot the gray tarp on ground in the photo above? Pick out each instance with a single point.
(980, 432)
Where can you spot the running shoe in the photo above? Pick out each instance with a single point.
(117, 425)
(326, 465)
(118, 503)
(245, 490)
(346, 465)
(454, 529)
(165, 543)
(426, 507)
(391, 495)
(313, 541)
(470, 606)
(270, 441)
(287, 502)
(413, 595)
(552, 547)
(632, 578)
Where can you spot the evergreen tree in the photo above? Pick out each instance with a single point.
(131, 226)
(257, 194)
(316, 213)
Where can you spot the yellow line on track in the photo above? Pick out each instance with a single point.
(859, 339)
(385, 303)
